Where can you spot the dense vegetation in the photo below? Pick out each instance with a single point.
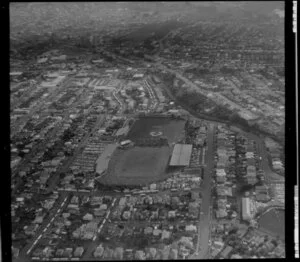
(197, 104)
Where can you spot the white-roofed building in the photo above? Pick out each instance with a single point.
(181, 155)
(246, 210)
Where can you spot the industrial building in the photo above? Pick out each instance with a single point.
(181, 155)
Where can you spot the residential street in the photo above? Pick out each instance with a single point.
(205, 219)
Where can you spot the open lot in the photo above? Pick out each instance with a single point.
(138, 165)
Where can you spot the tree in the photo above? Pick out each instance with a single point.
(274, 242)
(233, 230)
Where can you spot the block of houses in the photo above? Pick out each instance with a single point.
(225, 253)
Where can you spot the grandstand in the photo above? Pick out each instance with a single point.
(181, 155)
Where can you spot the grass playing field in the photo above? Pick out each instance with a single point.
(137, 165)
(170, 128)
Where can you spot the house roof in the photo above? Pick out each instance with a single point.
(226, 251)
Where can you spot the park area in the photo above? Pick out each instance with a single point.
(137, 166)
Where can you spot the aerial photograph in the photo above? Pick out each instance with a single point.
(147, 130)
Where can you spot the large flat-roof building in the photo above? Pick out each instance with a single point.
(181, 155)
(246, 213)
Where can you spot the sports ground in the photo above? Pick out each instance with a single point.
(145, 127)
(140, 165)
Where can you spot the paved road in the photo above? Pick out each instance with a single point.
(264, 162)
(52, 94)
(36, 148)
(91, 248)
(204, 224)
(57, 208)
(262, 152)
(153, 99)
(205, 215)
(62, 199)
(61, 202)
(39, 147)
(18, 101)
(68, 162)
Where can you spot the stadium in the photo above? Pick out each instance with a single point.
(149, 156)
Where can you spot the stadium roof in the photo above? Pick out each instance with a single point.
(181, 155)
